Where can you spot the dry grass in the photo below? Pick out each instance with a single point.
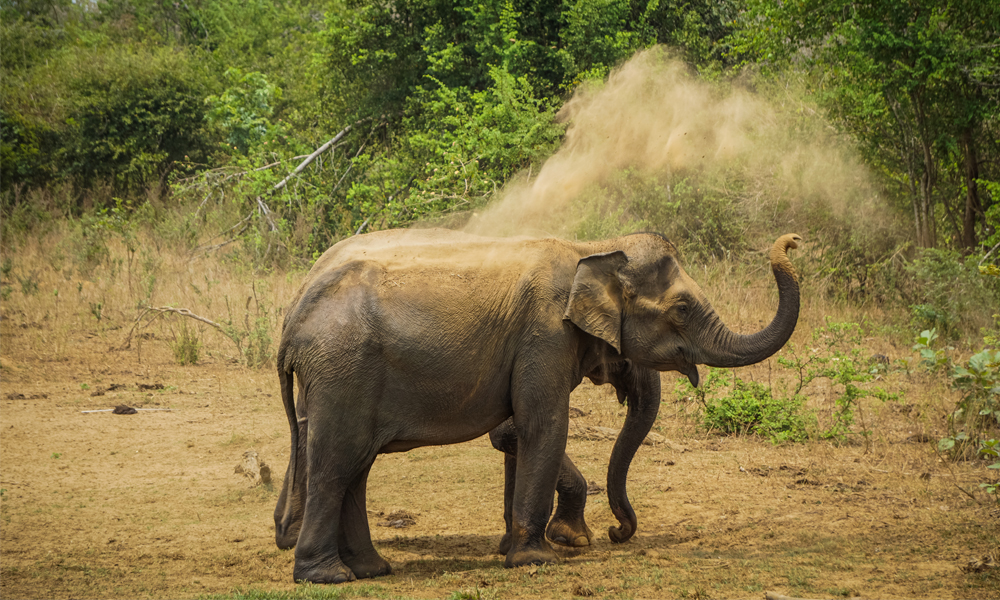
(100, 505)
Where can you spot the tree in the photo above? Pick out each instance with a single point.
(915, 81)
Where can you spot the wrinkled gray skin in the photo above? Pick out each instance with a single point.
(412, 338)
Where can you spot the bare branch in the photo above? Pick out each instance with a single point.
(310, 158)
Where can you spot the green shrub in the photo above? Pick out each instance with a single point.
(133, 112)
(975, 422)
(835, 356)
(949, 292)
(750, 409)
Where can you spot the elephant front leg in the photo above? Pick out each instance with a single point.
(541, 421)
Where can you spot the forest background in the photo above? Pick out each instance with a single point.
(264, 132)
(169, 170)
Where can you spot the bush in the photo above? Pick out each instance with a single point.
(750, 409)
(950, 295)
(975, 422)
(134, 112)
(103, 115)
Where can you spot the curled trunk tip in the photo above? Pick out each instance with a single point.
(779, 253)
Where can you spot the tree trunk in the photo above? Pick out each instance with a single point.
(925, 233)
(972, 206)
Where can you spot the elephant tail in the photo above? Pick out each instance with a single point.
(286, 380)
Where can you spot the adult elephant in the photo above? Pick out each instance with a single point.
(411, 338)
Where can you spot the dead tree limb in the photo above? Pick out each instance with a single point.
(311, 158)
(264, 210)
(187, 313)
(184, 313)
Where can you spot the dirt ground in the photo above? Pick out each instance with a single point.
(100, 505)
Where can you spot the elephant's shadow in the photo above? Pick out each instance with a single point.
(435, 554)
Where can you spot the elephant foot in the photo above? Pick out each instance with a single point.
(505, 543)
(531, 556)
(369, 566)
(569, 533)
(337, 572)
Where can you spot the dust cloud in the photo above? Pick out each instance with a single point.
(654, 116)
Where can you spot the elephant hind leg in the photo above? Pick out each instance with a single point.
(355, 538)
(334, 520)
(568, 527)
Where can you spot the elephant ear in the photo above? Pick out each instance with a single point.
(595, 300)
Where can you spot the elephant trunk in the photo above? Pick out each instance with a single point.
(640, 388)
(718, 346)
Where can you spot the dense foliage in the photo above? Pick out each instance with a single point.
(870, 126)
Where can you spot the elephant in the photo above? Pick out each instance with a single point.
(407, 338)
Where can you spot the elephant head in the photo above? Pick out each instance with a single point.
(640, 301)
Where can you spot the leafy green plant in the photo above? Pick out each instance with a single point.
(750, 409)
(835, 356)
(97, 310)
(930, 358)
(976, 418)
(242, 111)
(991, 450)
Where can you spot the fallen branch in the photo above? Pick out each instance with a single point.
(187, 313)
(179, 311)
(311, 158)
(267, 213)
(987, 255)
